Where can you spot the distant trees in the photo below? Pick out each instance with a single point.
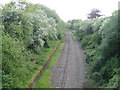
(94, 13)
(74, 24)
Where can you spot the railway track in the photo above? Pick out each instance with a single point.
(69, 71)
(65, 66)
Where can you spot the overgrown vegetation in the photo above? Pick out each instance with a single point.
(45, 79)
(29, 34)
(100, 40)
(31, 31)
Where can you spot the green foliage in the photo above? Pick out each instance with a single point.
(110, 32)
(86, 41)
(114, 82)
(45, 79)
(91, 41)
(89, 30)
(14, 62)
(29, 34)
(100, 39)
(17, 24)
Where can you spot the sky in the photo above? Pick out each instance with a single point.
(76, 9)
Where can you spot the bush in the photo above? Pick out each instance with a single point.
(26, 29)
(86, 41)
(100, 39)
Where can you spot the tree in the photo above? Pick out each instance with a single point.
(26, 31)
(94, 13)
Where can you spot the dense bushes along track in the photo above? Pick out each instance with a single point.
(100, 39)
(29, 34)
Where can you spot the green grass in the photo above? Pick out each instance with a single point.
(56, 56)
(41, 59)
(44, 81)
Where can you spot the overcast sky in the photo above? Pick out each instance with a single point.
(76, 9)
